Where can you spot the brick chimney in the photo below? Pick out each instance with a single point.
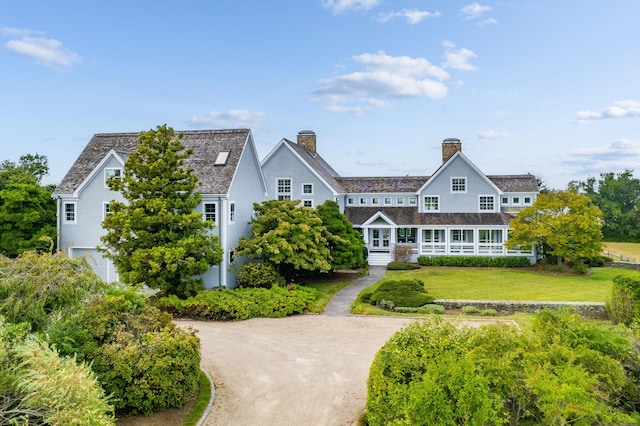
(307, 139)
(449, 147)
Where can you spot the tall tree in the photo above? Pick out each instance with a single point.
(566, 224)
(345, 254)
(27, 211)
(156, 237)
(288, 236)
(618, 197)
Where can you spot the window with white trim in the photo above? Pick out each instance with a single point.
(462, 235)
(387, 201)
(209, 212)
(458, 184)
(70, 213)
(505, 200)
(486, 203)
(413, 201)
(527, 200)
(432, 203)
(111, 172)
(407, 235)
(106, 210)
(363, 201)
(307, 203)
(283, 188)
(490, 236)
(307, 188)
(400, 201)
(232, 212)
(433, 235)
(375, 201)
(351, 201)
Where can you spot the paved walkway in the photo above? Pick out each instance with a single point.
(340, 304)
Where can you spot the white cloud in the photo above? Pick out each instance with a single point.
(619, 155)
(413, 16)
(474, 10)
(489, 21)
(620, 109)
(341, 6)
(385, 77)
(458, 59)
(232, 119)
(46, 51)
(491, 134)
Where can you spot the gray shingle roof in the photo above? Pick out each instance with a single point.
(411, 216)
(317, 163)
(206, 145)
(382, 184)
(516, 183)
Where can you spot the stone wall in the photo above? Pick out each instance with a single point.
(588, 310)
(626, 265)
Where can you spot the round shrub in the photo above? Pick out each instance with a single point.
(138, 354)
(407, 292)
(259, 275)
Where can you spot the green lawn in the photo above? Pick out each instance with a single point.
(515, 284)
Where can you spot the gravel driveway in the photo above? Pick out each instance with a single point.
(302, 370)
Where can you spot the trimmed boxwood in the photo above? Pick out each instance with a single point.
(475, 261)
(409, 292)
(402, 266)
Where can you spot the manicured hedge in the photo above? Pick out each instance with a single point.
(426, 309)
(475, 261)
(405, 292)
(241, 303)
(402, 266)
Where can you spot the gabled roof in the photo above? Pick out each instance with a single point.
(206, 145)
(453, 158)
(382, 184)
(314, 161)
(410, 216)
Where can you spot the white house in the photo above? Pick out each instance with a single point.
(458, 210)
(225, 161)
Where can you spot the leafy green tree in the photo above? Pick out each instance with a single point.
(345, 254)
(156, 237)
(290, 237)
(618, 197)
(27, 211)
(565, 224)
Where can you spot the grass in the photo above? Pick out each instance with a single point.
(516, 284)
(202, 402)
(629, 252)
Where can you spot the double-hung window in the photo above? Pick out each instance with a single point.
(70, 213)
(232, 212)
(283, 189)
(210, 212)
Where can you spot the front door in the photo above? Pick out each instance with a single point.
(380, 239)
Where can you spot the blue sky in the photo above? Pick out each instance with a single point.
(546, 87)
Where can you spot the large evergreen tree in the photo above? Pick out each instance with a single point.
(565, 223)
(345, 254)
(156, 237)
(27, 211)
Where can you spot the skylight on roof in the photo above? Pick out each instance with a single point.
(222, 158)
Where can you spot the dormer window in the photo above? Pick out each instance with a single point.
(111, 172)
(222, 158)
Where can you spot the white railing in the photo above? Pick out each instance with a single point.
(491, 249)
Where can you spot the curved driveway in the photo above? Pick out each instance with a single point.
(301, 370)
